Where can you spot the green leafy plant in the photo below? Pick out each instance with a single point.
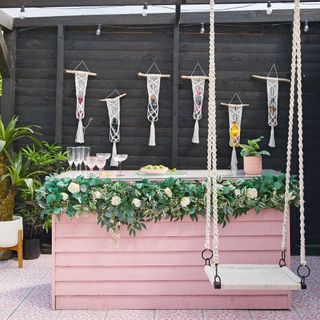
(10, 172)
(121, 203)
(252, 149)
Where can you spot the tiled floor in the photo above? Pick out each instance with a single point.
(25, 294)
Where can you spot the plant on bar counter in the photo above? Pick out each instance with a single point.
(132, 204)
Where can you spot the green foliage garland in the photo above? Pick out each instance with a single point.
(132, 204)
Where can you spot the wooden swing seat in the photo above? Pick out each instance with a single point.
(254, 277)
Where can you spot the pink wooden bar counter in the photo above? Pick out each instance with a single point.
(161, 268)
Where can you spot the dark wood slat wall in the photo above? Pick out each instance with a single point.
(120, 53)
(117, 57)
(36, 65)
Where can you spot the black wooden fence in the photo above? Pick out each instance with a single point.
(118, 54)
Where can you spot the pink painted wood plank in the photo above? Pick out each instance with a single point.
(53, 257)
(173, 302)
(121, 259)
(165, 244)
(241, 228)
(265, 215)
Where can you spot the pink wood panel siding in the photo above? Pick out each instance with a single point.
(161, 267)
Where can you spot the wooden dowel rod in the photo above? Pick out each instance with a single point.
(234, 104)
(82, 72)
(192, 77)
(266, 78)
(121, 96)
(140, 74)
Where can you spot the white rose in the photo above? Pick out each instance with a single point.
(136, 202)
(168, 192)
(73, 187)
(237, 192)
(97, 195)
(252, 193)
(185, 201)
(115, 200)
(65, 196)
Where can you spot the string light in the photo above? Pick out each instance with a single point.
(202, 30)
(269, 7)
(306, 26)
(145, 10)
(22, 12)
(98, 31)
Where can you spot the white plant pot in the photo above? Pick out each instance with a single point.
(9, 232)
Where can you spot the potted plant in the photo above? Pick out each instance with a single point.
(252, 157)
(42, 159)
(10, 180)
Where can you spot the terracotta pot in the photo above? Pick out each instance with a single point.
(252, 166)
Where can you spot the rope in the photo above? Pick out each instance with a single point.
(295, 71)
(212, 194)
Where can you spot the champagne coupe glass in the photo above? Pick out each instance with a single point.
(70, 156)
(101, 162)
(105, 156)
(77, 157)
(91, 162)
(120, 158)
(86, 154)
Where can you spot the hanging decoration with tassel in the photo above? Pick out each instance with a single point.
(198, 86)
(235, 117)
(273, 92)
(113, 105)
(81, 81)
(153, 87)
(272, 95)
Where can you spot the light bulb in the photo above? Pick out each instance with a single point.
(98, 31)
(202, 30)
(22, 13)
(269, 8)
(145, 10)
(306, 27)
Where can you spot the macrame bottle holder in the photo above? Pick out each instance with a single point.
(81, 81)
(198, 86)
(113, 105)
(153, 87)
(235, 117)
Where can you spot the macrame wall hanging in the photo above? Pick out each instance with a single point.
(198, 86)
(272, 95)
(81, 81)
(153, 86)
(113, 105)
(235, 117)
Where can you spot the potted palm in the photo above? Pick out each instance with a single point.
(11, 178)
(252, 157)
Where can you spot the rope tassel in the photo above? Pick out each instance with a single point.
(80, 132)
(234, 160)
(195, 137)
(152, 138)
(113, 162)
(272, 141)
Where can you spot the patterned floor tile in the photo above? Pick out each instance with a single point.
(82, 315)
(4, 315)
(226, 315)
(178, 315)
(274, 315)
(130, 314)
(35, 315)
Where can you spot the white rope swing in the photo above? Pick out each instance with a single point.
(255, 277)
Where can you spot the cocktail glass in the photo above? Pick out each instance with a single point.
(120, 158)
